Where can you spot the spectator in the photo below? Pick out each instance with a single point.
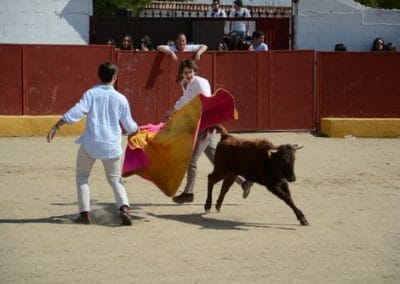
(240, 28)
(181, 45)
(257, 42)
(127, 43)
(340, 47)
(215, 11)
(146, 44)
(111, 41)
(392, 47)
(193, 85)
(105, 110)
(378, 45)
(233, 42)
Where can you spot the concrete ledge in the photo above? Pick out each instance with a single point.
(361, 127)
(36, 125)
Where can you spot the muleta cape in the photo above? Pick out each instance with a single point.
(161, 153)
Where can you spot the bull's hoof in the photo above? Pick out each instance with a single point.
(218, 207)
(207, 208)
(304, 222)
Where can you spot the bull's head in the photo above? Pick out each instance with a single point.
(284, 158)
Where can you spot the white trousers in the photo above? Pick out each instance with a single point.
(112, 168)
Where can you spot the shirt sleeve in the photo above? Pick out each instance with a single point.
(81, 108)
(127, 122)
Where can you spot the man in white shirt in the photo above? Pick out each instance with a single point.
(240, 28)
(192, 86)
(215, 11)
(105, 108)
(181, 45)
(257, 42)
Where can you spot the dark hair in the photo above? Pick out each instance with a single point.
(238, 2)
(146, 41)
(188, 63)
(111, 40)
(130, 42)
(106, 72)
(257, 34)
(375, 42)
(340, 47)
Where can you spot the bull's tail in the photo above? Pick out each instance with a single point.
(220, 129)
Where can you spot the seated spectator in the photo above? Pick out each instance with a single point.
(378, 45)
(215, 11)
(340, 47)
(233, 42)
(111, 41)
(240, 28)
(181, 45)
(146, 44)
(257, 42)
(126, 43)
(392, 47)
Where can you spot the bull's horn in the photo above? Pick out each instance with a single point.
(272, 151)
(297, 147)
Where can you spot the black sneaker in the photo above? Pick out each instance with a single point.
(83, 218)
(246, 185)
(125, 217)
(183, 198)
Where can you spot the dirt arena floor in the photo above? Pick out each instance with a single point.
(349, 190)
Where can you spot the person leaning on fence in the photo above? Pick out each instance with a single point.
(391, 47)
(181, 45)
(257, 42)
(111, 41)
(193, 85)
(378, 45)
(215, 11)
(146, 44)
(127, 43)
(105, 110)
(240, 28)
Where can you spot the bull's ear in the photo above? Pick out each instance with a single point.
(297, 147)
(272, 151)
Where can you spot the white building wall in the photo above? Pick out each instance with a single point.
(320, 24)
(45, 21)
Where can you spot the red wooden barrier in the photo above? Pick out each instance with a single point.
(267, 95)
(273, 90)
(362, 84)
(11, 83)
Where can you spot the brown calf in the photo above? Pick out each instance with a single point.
(258, 161)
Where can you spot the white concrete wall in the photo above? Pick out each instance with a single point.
(45, 21)
(320, 24)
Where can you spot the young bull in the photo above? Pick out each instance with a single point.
(258, 161)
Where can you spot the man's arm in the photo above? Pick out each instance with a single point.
(167, 50)
(203, 48)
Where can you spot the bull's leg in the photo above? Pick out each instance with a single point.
(213, 178)
(226, 185)
(282, 191)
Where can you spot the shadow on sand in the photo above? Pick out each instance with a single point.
(205, 221)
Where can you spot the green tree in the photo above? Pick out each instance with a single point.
(108, 7)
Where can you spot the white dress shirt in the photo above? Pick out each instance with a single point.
(196, 86)
(105, 109)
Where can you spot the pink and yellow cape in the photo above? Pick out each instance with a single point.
(161, 153)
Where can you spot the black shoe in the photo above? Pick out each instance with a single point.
(183, 198)
(125, 217)
(83, 218)
(246, 185)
